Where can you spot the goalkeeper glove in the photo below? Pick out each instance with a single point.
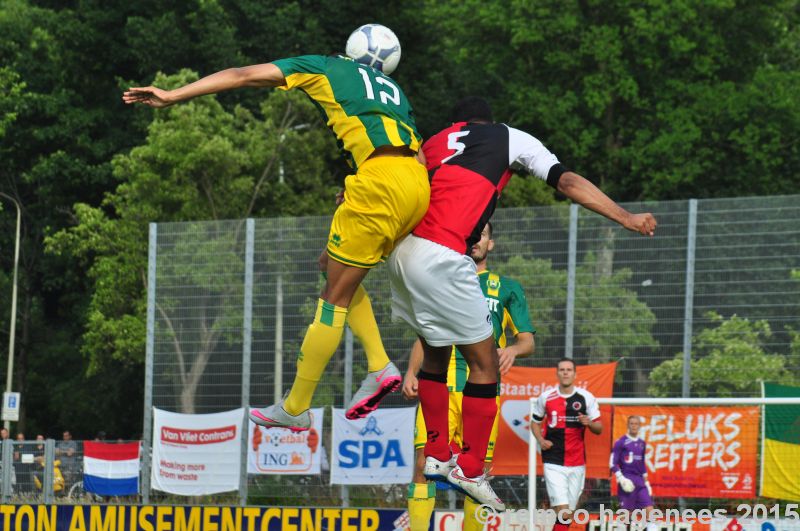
(625, 483)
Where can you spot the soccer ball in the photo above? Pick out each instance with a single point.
(376, 46)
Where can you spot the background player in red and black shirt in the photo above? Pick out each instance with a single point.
(560, 417)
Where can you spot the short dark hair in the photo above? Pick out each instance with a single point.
(572, 361)
(491, 229)
(472, 109)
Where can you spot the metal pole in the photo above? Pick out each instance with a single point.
(247, 342)
(694, 401)
(13, 318)
(278, 389)
(147, 431)
(688, 310)
(278, 372)
(348, 392)
(572, 265)
(8, 470)
(533, 447)
(763, 442)
(49, 465)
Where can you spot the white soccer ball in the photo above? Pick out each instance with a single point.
(376, 46)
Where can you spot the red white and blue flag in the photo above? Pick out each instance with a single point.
(111, 469)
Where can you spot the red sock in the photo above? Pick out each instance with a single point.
(454, 447)
(479, 413)
(435, 403)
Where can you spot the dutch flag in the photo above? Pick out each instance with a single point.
(111, 469)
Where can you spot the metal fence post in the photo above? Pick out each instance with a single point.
(688, 309)
(8, 470)
(572, 265)
(278, 386)
(147, 431)
(247, 342)
(348, 394)
(49, 472)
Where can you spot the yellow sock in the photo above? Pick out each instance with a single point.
(471, 522)
(421, 501)
(321, 341)
(362, 322)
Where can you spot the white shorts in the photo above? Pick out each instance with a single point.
(564, 484)
(436, 291)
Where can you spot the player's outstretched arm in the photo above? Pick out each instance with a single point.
(588, 195)
(263, 75)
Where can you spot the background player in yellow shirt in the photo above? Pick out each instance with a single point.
(509, 311)
(384, 199)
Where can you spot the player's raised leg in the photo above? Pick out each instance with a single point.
(321, 341)
(434, 400)
(480, 401)
(383, 376)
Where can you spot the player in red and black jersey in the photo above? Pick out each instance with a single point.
(561, 416)
(435, 287)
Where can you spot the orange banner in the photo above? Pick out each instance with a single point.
(523, 383)
(697, 452)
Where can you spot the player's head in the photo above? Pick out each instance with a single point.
(634, 423)
(472, 109)
(565, 371)
(485, 245)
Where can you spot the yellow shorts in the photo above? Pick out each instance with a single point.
(383, 202)
(455, 426)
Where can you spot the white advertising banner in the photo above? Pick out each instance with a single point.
(194, 455)
(281, 451)
(375, 450)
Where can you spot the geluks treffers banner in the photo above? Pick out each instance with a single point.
(697, 451)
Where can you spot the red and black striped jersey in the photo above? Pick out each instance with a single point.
(559, 415)
(469, 165)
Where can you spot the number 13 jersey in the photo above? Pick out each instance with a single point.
(364, 108)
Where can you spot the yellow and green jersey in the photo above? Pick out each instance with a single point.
(509, 310)
(364, 108)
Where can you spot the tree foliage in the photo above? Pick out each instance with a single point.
(653, 101)
(199, 162)
(727, 360)
(657, 100)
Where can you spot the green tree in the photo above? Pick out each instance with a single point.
(71, 58)
(657, 100)
(199, 162)
(10, 93)
(729, 359)
(610, 321)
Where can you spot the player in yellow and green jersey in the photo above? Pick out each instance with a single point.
(509, 311)
(383, 200)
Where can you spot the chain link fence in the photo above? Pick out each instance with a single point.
(708, 307)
